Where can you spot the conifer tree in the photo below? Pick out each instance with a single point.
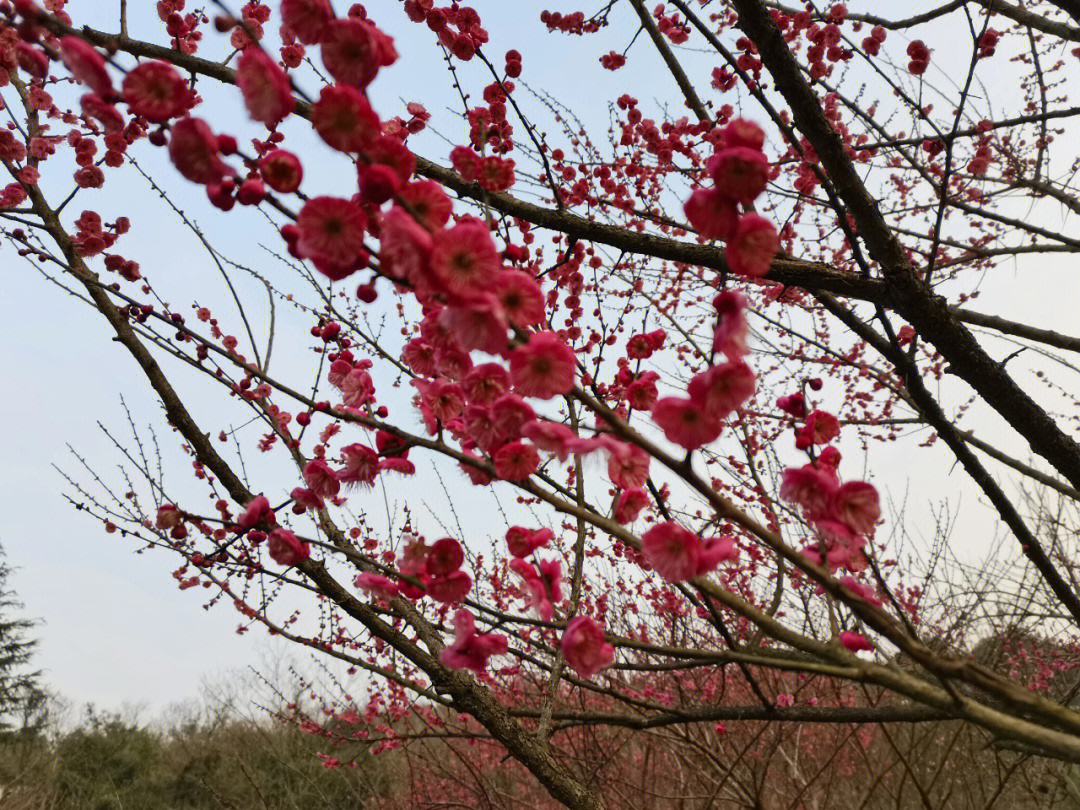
(22, 699)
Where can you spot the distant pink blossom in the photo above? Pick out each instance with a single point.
(864, 592)
(751, 249)
(478, 324)
(677, 554)
(512, 414)
(732, 330)
(516, 461)
(168, 517)
(321, 479)
(641, 394)
(485, 383)
(810, 487)
(449, 589)
(86, 65)
(739, 172)
(444, 557)
(304, 499)
(308, 20)
(357, 388)
(551, 437)
(856, 504)
(721, 389)
(712, 213)
(821, 427)
(257, 512)
(543, 583)
(413, 557)
(521, 298)
(361, 465)
(628, 464)
(265, 87)
(685, 422)
(742, 132)
(464, 260)
(792, 404)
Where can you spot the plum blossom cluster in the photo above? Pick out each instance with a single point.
(872, 44)
(436, 569)
(584, 648)
(572, 23)
(490, 130)
(919, 55)
(542, 581)
(826, 47)
(258, 522)
(433, 571)
(471, 650)
(492, 172)
(739, 171)
(697, 419)
(612, 60)
(353, 50)
(472, 302)
(671, 26)
(843, 515)
(458, 27)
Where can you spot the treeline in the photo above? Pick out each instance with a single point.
(225, 760)
(216, 761)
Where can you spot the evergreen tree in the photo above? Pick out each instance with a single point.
(22, 699)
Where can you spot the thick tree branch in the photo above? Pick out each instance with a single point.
(934, 415)
(712, 714)
(1022, 330)
(907, 293)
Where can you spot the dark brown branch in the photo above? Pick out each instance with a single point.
(891, 25)
(793, 714)
(1020, 467)
(907, 294)
(969, 132)
(1070, 7)
(788, 271)
(691, 96)
(935, 416)
(1017, 14)
(1023, 330)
